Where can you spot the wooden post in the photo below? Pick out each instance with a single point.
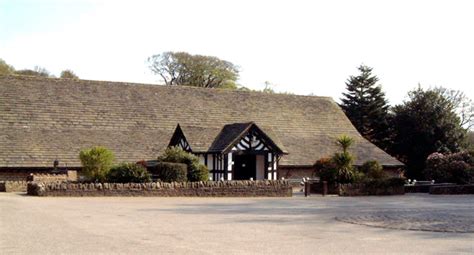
(306, 188)
(325, 188)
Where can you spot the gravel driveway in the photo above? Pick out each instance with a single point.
(295, 225)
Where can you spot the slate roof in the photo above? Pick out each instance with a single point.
(232, 133)
(200, 139)
(42, 119)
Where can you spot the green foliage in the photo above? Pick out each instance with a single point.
(344, 168)
(68, 74)
(196, 171)
(462, 105)
(344, 160)
(128, 173)
(373, 170)
(345, 142)
(96, 162)
(470, 140)
(6, 69)
(424, 124)
(181, 68)
(37, 71)
(455, 167)
(326, 170)
(365, 105)
(338, 168)
(171, 172)
(201, 173)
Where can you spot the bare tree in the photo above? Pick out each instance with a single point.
(461, 104)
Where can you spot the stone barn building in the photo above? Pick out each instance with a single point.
(237, 134)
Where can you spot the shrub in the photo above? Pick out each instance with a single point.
(201, 173)
(96, 162)
(345, 142)
(455, 167)
(196, 171)
(171, 172)
(344, 168)
(128, 172)
(326, 170)
(344, 160)
(373, 170)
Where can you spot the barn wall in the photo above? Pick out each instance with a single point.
(295, 172)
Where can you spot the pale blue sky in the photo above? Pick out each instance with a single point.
(300, 46)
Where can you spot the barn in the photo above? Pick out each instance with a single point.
(237, 134)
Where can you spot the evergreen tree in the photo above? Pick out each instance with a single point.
(424, 124)
(366, 107)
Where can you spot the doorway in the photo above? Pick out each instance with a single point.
(245, 167)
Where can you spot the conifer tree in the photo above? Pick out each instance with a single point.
(366, 107)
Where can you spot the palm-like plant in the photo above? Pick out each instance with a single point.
(345, 142)
(343, 160)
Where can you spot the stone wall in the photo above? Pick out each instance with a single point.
(317, 188)
(424, 188)
(70, 175)
(13, 186)
(452, 190)
(361, 189)
(289, 172)
(17, 182)
(265, 188)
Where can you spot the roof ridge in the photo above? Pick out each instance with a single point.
(124, 83)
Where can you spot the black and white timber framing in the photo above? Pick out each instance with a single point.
(220, 161)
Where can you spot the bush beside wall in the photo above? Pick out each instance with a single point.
(265, 188)
(128, 172)
(170, 172)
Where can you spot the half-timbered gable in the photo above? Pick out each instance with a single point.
(237, 151)
(178, 139)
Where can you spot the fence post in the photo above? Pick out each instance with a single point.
(306, 188)
(325, 188)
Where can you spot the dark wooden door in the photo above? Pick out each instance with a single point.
(245, 167)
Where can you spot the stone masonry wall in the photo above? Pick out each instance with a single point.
(265, 188)
(360, 189)
(70, 175)
(452, 190)
(17, 182)
(13, 186)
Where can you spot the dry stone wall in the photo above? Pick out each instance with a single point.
(13, 186)
(279, 188)
(17, 182)
(70, 175)
(361, 189)
(452, 190)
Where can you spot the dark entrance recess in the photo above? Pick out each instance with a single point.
(245, 167)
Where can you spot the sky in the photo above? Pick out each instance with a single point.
(303, 47)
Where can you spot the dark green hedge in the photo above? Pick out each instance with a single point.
(128, 173)
(196, 171)
(171, 172)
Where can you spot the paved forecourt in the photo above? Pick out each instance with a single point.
(298, 225)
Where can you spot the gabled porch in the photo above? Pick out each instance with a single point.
(239, 151)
